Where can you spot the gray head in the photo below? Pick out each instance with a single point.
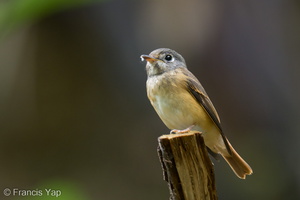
(162, 60)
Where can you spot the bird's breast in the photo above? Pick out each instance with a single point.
(174, 104)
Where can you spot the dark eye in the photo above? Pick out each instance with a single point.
(168, 58)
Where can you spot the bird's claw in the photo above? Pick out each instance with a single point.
(177, 131)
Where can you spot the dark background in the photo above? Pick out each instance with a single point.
(74, 111)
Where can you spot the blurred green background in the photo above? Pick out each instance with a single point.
(74, 112)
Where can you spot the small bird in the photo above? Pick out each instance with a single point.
(183, 105)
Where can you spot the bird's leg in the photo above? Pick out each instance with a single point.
(176, 131)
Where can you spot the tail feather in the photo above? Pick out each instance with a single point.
(237, 164)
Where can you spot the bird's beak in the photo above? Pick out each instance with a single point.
(148, 58)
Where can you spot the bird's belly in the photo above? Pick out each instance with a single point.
(181, 111)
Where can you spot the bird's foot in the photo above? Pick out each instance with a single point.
(177, 131)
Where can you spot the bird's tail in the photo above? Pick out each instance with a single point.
(237, 163)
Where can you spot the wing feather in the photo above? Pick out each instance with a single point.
(197, 90)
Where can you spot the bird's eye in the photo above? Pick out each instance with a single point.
(168, 57)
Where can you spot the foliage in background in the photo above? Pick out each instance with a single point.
(17, 12)
(57, 189)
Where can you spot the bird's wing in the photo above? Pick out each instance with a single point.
(197, 90)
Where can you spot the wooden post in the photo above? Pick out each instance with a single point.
(187, 167)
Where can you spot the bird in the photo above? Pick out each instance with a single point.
(183, 105)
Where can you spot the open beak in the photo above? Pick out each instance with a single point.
(148, 58)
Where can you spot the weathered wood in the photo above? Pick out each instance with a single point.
(187, 167)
